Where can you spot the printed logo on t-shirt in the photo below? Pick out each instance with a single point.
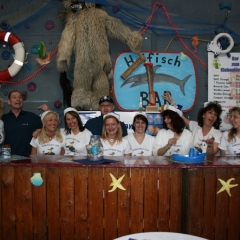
(50, 152)
(175, 149)
(70, 147)
(111, 154)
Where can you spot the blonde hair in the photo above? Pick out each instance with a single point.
(233, 131)
(119, 131)
(1, 107)
(43, 138)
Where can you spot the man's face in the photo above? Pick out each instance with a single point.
(15, 101)
(106, 107)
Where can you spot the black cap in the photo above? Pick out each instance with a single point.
(106, 99)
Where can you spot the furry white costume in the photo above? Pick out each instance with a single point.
(86, 35)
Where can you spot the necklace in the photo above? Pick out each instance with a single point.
(50, 138)
(111, 140)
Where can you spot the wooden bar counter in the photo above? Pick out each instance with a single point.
(74, 201)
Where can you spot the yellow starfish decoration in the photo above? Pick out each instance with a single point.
(116, 183)
(226, 185)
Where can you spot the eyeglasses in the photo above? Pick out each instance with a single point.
(107, 106)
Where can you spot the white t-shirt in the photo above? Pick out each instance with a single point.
(50, 148)
(1, 131)
(118, 148)
(144, 149)
(182, 146)
(198, 136)
(75, 145)
(233, 148)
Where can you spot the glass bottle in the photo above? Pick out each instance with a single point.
(140, 109)
(95, 149)
(6, 151)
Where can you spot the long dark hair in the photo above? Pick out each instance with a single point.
(177, 122)
(216, 107)
(80, 125)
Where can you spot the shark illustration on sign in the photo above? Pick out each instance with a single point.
(140, 79)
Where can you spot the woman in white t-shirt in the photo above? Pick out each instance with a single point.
(141, 143)
(113, 142)
(173, 138)
(50, 140)
(230, 142)
(206, 133)
(76, 137)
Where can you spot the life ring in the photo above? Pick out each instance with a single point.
(18, 47)
(215, 40)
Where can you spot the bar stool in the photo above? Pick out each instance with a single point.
(159, 235)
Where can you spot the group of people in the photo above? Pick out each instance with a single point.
(28, 133)
(206, 136)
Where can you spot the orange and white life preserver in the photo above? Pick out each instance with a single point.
(18, 47)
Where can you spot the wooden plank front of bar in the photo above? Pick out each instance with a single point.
(74, 201)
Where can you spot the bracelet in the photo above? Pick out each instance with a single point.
(167, 146)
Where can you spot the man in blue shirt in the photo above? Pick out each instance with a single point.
(19, 125)
(94, 125)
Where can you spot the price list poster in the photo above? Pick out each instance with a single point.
(224, 83)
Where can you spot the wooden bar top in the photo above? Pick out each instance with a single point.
(125, 162)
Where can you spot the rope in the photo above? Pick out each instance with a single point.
(154, 8)
(169, 43)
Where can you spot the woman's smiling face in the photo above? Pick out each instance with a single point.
(51, 122)
(71, 121)
(111, 126)
(140, 126)
(235, 119)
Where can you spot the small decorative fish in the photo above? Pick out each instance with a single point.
(45, 60)
(215, 48)
(195, 42)
(183, 57)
